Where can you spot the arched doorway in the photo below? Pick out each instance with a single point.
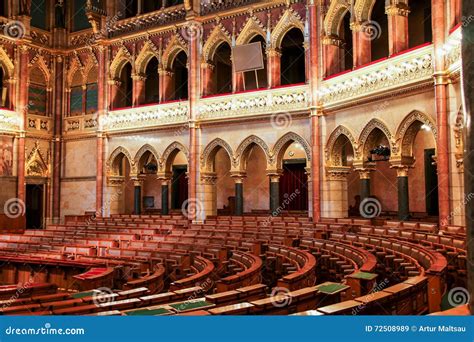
(223, 69)
(378, 31)
(150, 185)
(152, 83)
(120, 190)
(219, 188)
(255, 185)
(378, 180)
(416, 168)
(342, 189)
(125, 89)
(180, 77)
(292, 67)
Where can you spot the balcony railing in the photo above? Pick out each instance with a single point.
(81, 124)
(146, 116)
(395, 72)
(285, 99)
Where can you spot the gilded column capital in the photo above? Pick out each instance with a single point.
(238, 176)
(273, 52)
(333, 40)
(399, 9)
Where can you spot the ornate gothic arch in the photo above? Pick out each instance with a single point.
(74, 67)
(121, 58)
(40, 63)
(363, 9)
(241, 155)
(147, 52)
(144, 149)
(210, 151)
(333, 19)
(216, 38)
(282, 144)
(253, 27)
(333, 154)
(36, 163)
(170, 152)
(175, 46)
(408, 129)
(112, 158)
(368, 129)
(289, 20)
(7, 64)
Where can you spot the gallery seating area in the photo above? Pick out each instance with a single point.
(163, 265)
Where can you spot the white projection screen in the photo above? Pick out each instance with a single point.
(248, 57)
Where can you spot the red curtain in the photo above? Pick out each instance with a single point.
(294, 187)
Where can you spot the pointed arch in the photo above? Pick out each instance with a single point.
(40, 63)
(169, 153)
(253, 27)
(368, 129)
(288, 21)
(113, 156)
(144, 149)
(174, 47)
(408, 129)
(217, 37)
(241, 154)
(282, 144)
(72, 71)
(363, 9)
(332, 155)
(6, 63)
(147, 52)
(121, 58)
(210, 151)
(336, 12)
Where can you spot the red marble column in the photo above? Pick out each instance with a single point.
(138, 90)
(57, 145)
(332, 55)
(102, 106)
(11, 93)
(455, 12)
(441, 94)
(362, 45)
(194, 87)
(114, 87)
(207, 78)
(274, 62)
(314, 15)
(166, 85)
(397, 27)
(22, 110)
(238, 81)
